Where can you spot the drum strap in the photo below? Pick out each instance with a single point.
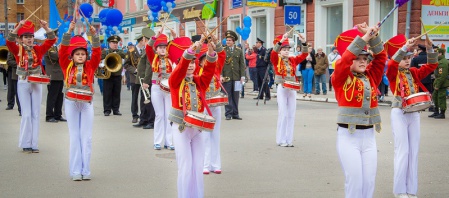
(401, 85)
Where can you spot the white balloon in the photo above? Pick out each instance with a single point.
(151, 18)
(115, 28)
(117, 32)
(169, 4)
(150, 12)
(170, 9)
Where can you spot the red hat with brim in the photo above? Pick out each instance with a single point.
(26, 29)
(345, 39)
(394, 44)
(278, 39)
(177, 47)
(77, 42)
(161, 41)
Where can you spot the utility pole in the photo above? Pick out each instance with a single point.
(5, 35)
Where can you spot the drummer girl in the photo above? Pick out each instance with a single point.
(404, 82)
(186, 90)
(79, 76)
(285, 67)
(29, 58)
(355, 83)
(161, 67)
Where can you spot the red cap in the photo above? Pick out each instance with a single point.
(176, 48)
(286, 43)
(203, 51)
(345, 39)
(161, 40)
(27, 28)
(394, 44)
(77, 42)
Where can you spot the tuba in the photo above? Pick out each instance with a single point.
(113, 62)
(3, 54)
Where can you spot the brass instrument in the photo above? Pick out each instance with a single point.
(131, 56)
(102, 73)
(146, 93)
(113, 62)
(3, 54)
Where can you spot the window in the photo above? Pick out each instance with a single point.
(261, 27)
(191, 29)
(387, 27)
(20, 1)
(20, 16)
(334, 25)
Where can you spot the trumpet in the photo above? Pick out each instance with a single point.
(146, 93)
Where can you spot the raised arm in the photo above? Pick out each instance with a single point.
(209, 67)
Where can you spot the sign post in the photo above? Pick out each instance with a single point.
(292, 15)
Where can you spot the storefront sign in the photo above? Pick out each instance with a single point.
(433, 13)
(191, 13)
(263, 3)
(294, 1)
(128, 22)
(10, 26)
(236, 3)
(292, 15)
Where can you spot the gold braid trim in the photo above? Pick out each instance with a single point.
(348, 86)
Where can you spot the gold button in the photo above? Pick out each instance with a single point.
(367, 98)
(194, 105)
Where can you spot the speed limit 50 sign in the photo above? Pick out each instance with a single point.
(292, 15)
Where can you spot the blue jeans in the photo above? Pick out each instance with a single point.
(320, 79)
(307, 75)
(100, 84)
(253, 77)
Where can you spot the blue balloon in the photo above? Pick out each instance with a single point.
(87, 9)
(238, 30)
(114, 17)
(247, 21)
(103, 16)
(223, 42)
(165, 8)
(154, 5)
(173, 4)
(90, 20)
(163, 4)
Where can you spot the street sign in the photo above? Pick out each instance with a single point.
(292, 15)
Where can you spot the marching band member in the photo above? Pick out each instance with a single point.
(285, 67)
(79, 74)
(212, 158)
(186, 89)
(355, 83)
(404, 81)
(161, 68)
(132, 59)
(112, 86)
(29, 58)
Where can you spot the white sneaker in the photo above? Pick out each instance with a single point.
(86, 177)
(412, 196)
(283, 145)
(5, 87)
(77, 178)
(401, 196)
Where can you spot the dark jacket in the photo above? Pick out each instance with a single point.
(261, 61)
(441, 73)
(52, 64)
(131, 62)
(12, 66)
(303, 63)
(421, 59)
(142, 71)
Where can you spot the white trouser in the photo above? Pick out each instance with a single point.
(212, 159)
(358, 158)
(162, 105)
(80, 119)
(286, 119)
(30, 97)
(190, 159)
(406, 132)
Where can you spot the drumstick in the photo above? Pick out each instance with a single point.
(33, 12)
(428, 31)
(165, 20)
(85, 18)
(213, 30)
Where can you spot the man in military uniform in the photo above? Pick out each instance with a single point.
(132, 59)
(12, 83)
(113, 85)
(440, 84)
(147, 114)
(54, 95)
(261, 68)
(233, 71)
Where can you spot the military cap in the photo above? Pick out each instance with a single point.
(114, 38)
(139, 38)
(196, 38)
(260, 40)
(231, 34)
(148, 32)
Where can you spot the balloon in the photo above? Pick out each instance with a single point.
(169, 4)
(163, 4)
(87, 9)
(165, 8)
(170, 10)
(156, 15)
(247, 21)
(117, 32)
(103, 16)
(114, 17)
(115, 28)
(151, 18)
(238, 30)
(154, 5)
(90, 20)
(223, 42)
(173, 4)
(150, 13)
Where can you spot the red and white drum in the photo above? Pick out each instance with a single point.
(163, 84)
(79, 95)
(199, 121)
(218, 100)
(39, 79)
(291, 85)
(417, 102)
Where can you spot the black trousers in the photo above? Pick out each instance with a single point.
(5, 75)
(147, 114)
(428, 86)
(135, 88)
(260, 76)
(54, 99)
(111, 93)
(232, 109)
(12, 92)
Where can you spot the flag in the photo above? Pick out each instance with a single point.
(54, 19)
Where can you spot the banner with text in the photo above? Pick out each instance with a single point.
(433, 13)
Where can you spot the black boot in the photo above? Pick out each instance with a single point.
(435, 113)
(441, 115)
(432, 108)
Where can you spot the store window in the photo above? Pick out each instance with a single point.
(334, 25)
(20, 1)
(261, 28)
(20, 16)
(387, 26)
(190, 29)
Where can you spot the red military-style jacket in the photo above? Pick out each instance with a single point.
(410, 77)
(69, 69)
(155, 60)
(214, 86)
(356, 93)
(280, 65)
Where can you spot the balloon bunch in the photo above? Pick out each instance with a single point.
(244, 33)
(110, 19)
(156, 6)
(2, 40)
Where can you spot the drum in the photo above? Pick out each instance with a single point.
(291, 85)
(79, 95)
(163, 84)
(417, 102)
(218, 100)
(199, 121)
(39, 79)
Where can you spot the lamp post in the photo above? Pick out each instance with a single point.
(5, 35)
